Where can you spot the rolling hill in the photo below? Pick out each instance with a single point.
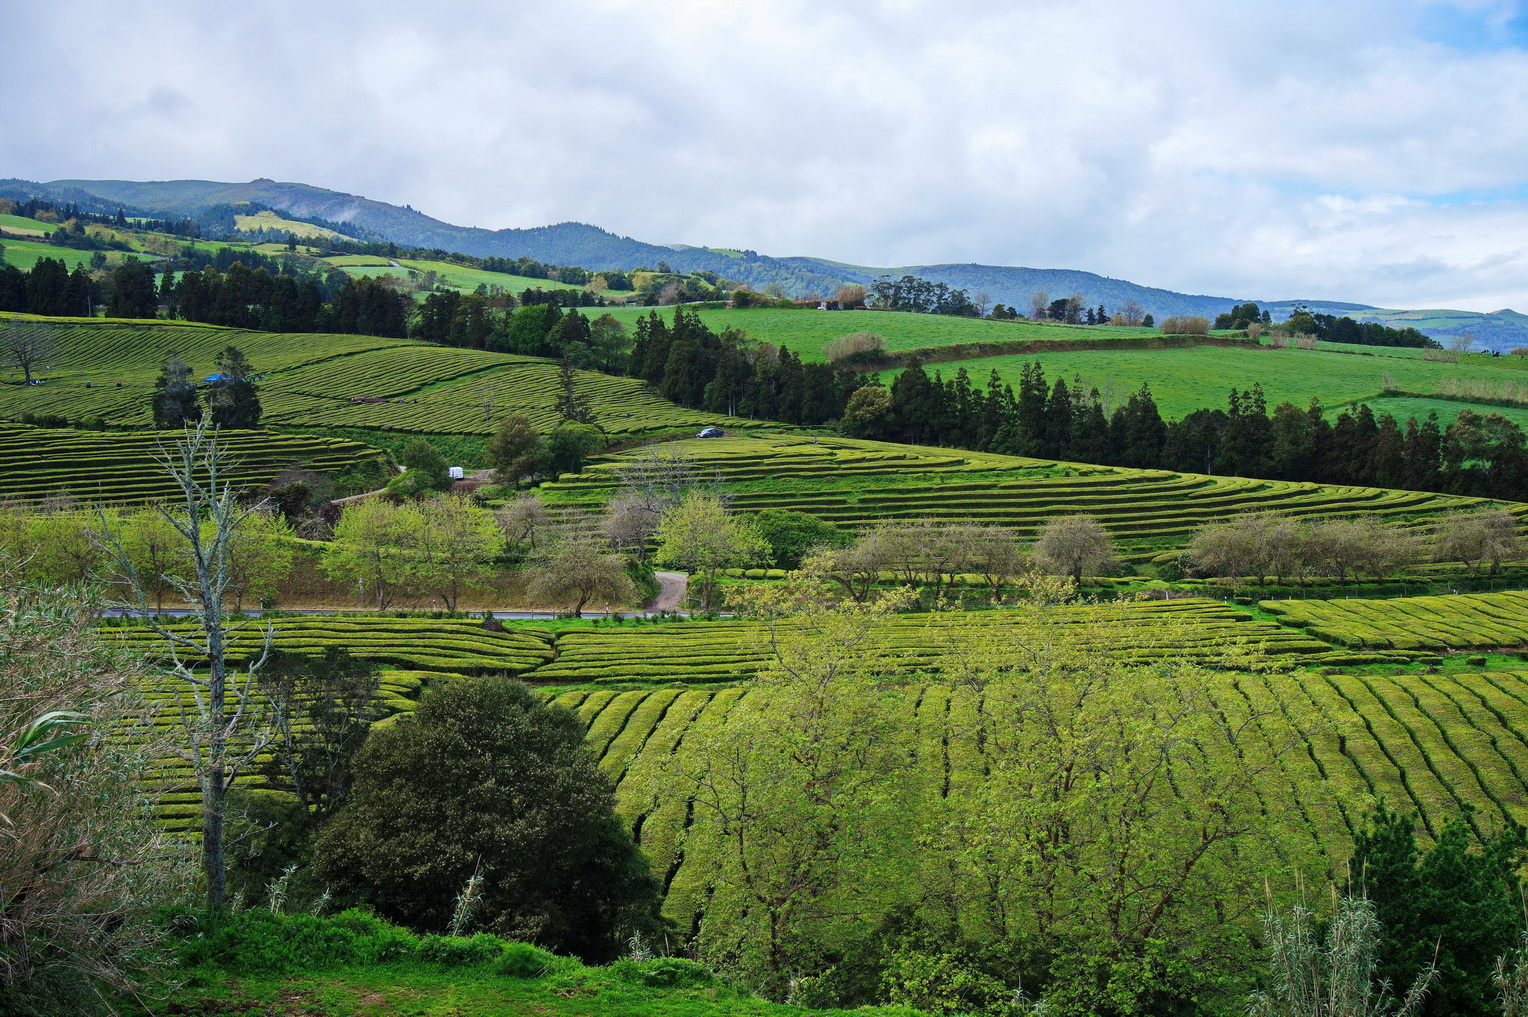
(572, 243)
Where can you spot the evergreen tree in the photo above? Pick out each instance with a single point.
(235, 402)
(175, 399)
(571, 406)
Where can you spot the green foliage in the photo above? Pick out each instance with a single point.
(486, 775)
(791, 534)
(1462, 897)
(521, 960)
(421, 455)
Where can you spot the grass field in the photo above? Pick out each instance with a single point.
(326, 380)
(268, 220)
(1183, 380)
(29, 227)
(806, 332)
(26, 253)
(1404, 408)
(38, 463)
(455, 276)
(857, 483)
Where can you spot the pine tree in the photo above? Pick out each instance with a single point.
(175, 401)
(571, 406)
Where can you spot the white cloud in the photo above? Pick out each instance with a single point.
(1297, 149)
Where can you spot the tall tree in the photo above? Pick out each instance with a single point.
(175, 398)
(234, 402)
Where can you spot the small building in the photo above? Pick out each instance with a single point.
(455, 472)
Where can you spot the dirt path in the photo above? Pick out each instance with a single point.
(671, 590)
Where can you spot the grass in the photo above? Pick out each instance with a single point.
(1183, 380)
(807, 332)
(268, 220)
(22, 224)
(1406, 408)
(26, 253)
(455, 276)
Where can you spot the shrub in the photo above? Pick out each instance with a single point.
(1184, 324)
(521, 960)
(460, 951)
(857, 347)
(489, 778)
(663, 972)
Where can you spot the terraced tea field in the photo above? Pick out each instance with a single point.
(859, 483)
(1426, 743)
(38, 463)
(1469, 621)
(106, 369)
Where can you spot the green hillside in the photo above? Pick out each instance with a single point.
(806, 332)
(858, 483)
(1183, 380)
(106, 369)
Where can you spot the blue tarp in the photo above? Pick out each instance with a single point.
(216, 377)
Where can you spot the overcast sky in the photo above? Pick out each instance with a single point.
(1368, 150)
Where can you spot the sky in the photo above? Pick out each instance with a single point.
(1320, 149)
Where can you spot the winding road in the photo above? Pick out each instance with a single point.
(671, 590)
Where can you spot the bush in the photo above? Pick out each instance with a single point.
(460, 951)
(858, 347)
(1183, 324)
(486, 777)
(521, 960)
(663, 972)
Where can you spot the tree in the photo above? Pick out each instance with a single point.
(1074, 546)
(869, 414)
(1331, 972)
(28, 345)
(630, 519)
(83, 866)
(791, 535)
(1039, 305)
(223, 732)
(488, 780)
(234, 402)
(571, 445)
(322, 709)
(420, 455)
(132, 291)
(520, 521)
(373, 545)
(575, 566)
(452, 546)
(515, 450)
(1471, 538)
(700, 535)
(1456, 906)
(572, 407)
(175, 399)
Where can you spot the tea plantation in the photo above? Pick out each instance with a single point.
(858, 483)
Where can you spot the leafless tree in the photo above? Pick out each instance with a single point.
(1074, 546)
(630, 520)
(576, 566)
(224, 730)
(486, 401)
(851, 296)
(1039, 304)
(522, 519)
(983, 303)
(1473, 538)
(1130, 312)
(28, 345)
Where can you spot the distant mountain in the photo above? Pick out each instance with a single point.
(572, 243)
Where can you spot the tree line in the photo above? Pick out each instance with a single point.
(1476, 455)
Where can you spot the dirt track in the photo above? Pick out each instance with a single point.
(671, 590)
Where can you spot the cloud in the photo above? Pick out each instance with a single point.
(1297, 149)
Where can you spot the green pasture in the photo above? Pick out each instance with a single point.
(268, 220)
(806, 332)
(1184, 380)
(26, 253)
(1405, 408)
(458, 277)
(22, 224)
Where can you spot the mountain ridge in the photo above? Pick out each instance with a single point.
(595, 248)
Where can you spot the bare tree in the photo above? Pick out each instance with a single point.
(1074, 546)
(224, 730)
(1039, 304)
(28, 345)
(1074, 304)
(983, 303)
(486, 401)
(1472, 538)
(630, 520)
(576, 566)
(993, 553)
(851, 296)
(1130, 313)
(1462, 342)
(521, 520)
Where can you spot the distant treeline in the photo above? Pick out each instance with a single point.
(1482, 456)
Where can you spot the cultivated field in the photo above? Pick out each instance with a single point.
(106, 369)
(1451, 622)
(39, 463)
(858, 483)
